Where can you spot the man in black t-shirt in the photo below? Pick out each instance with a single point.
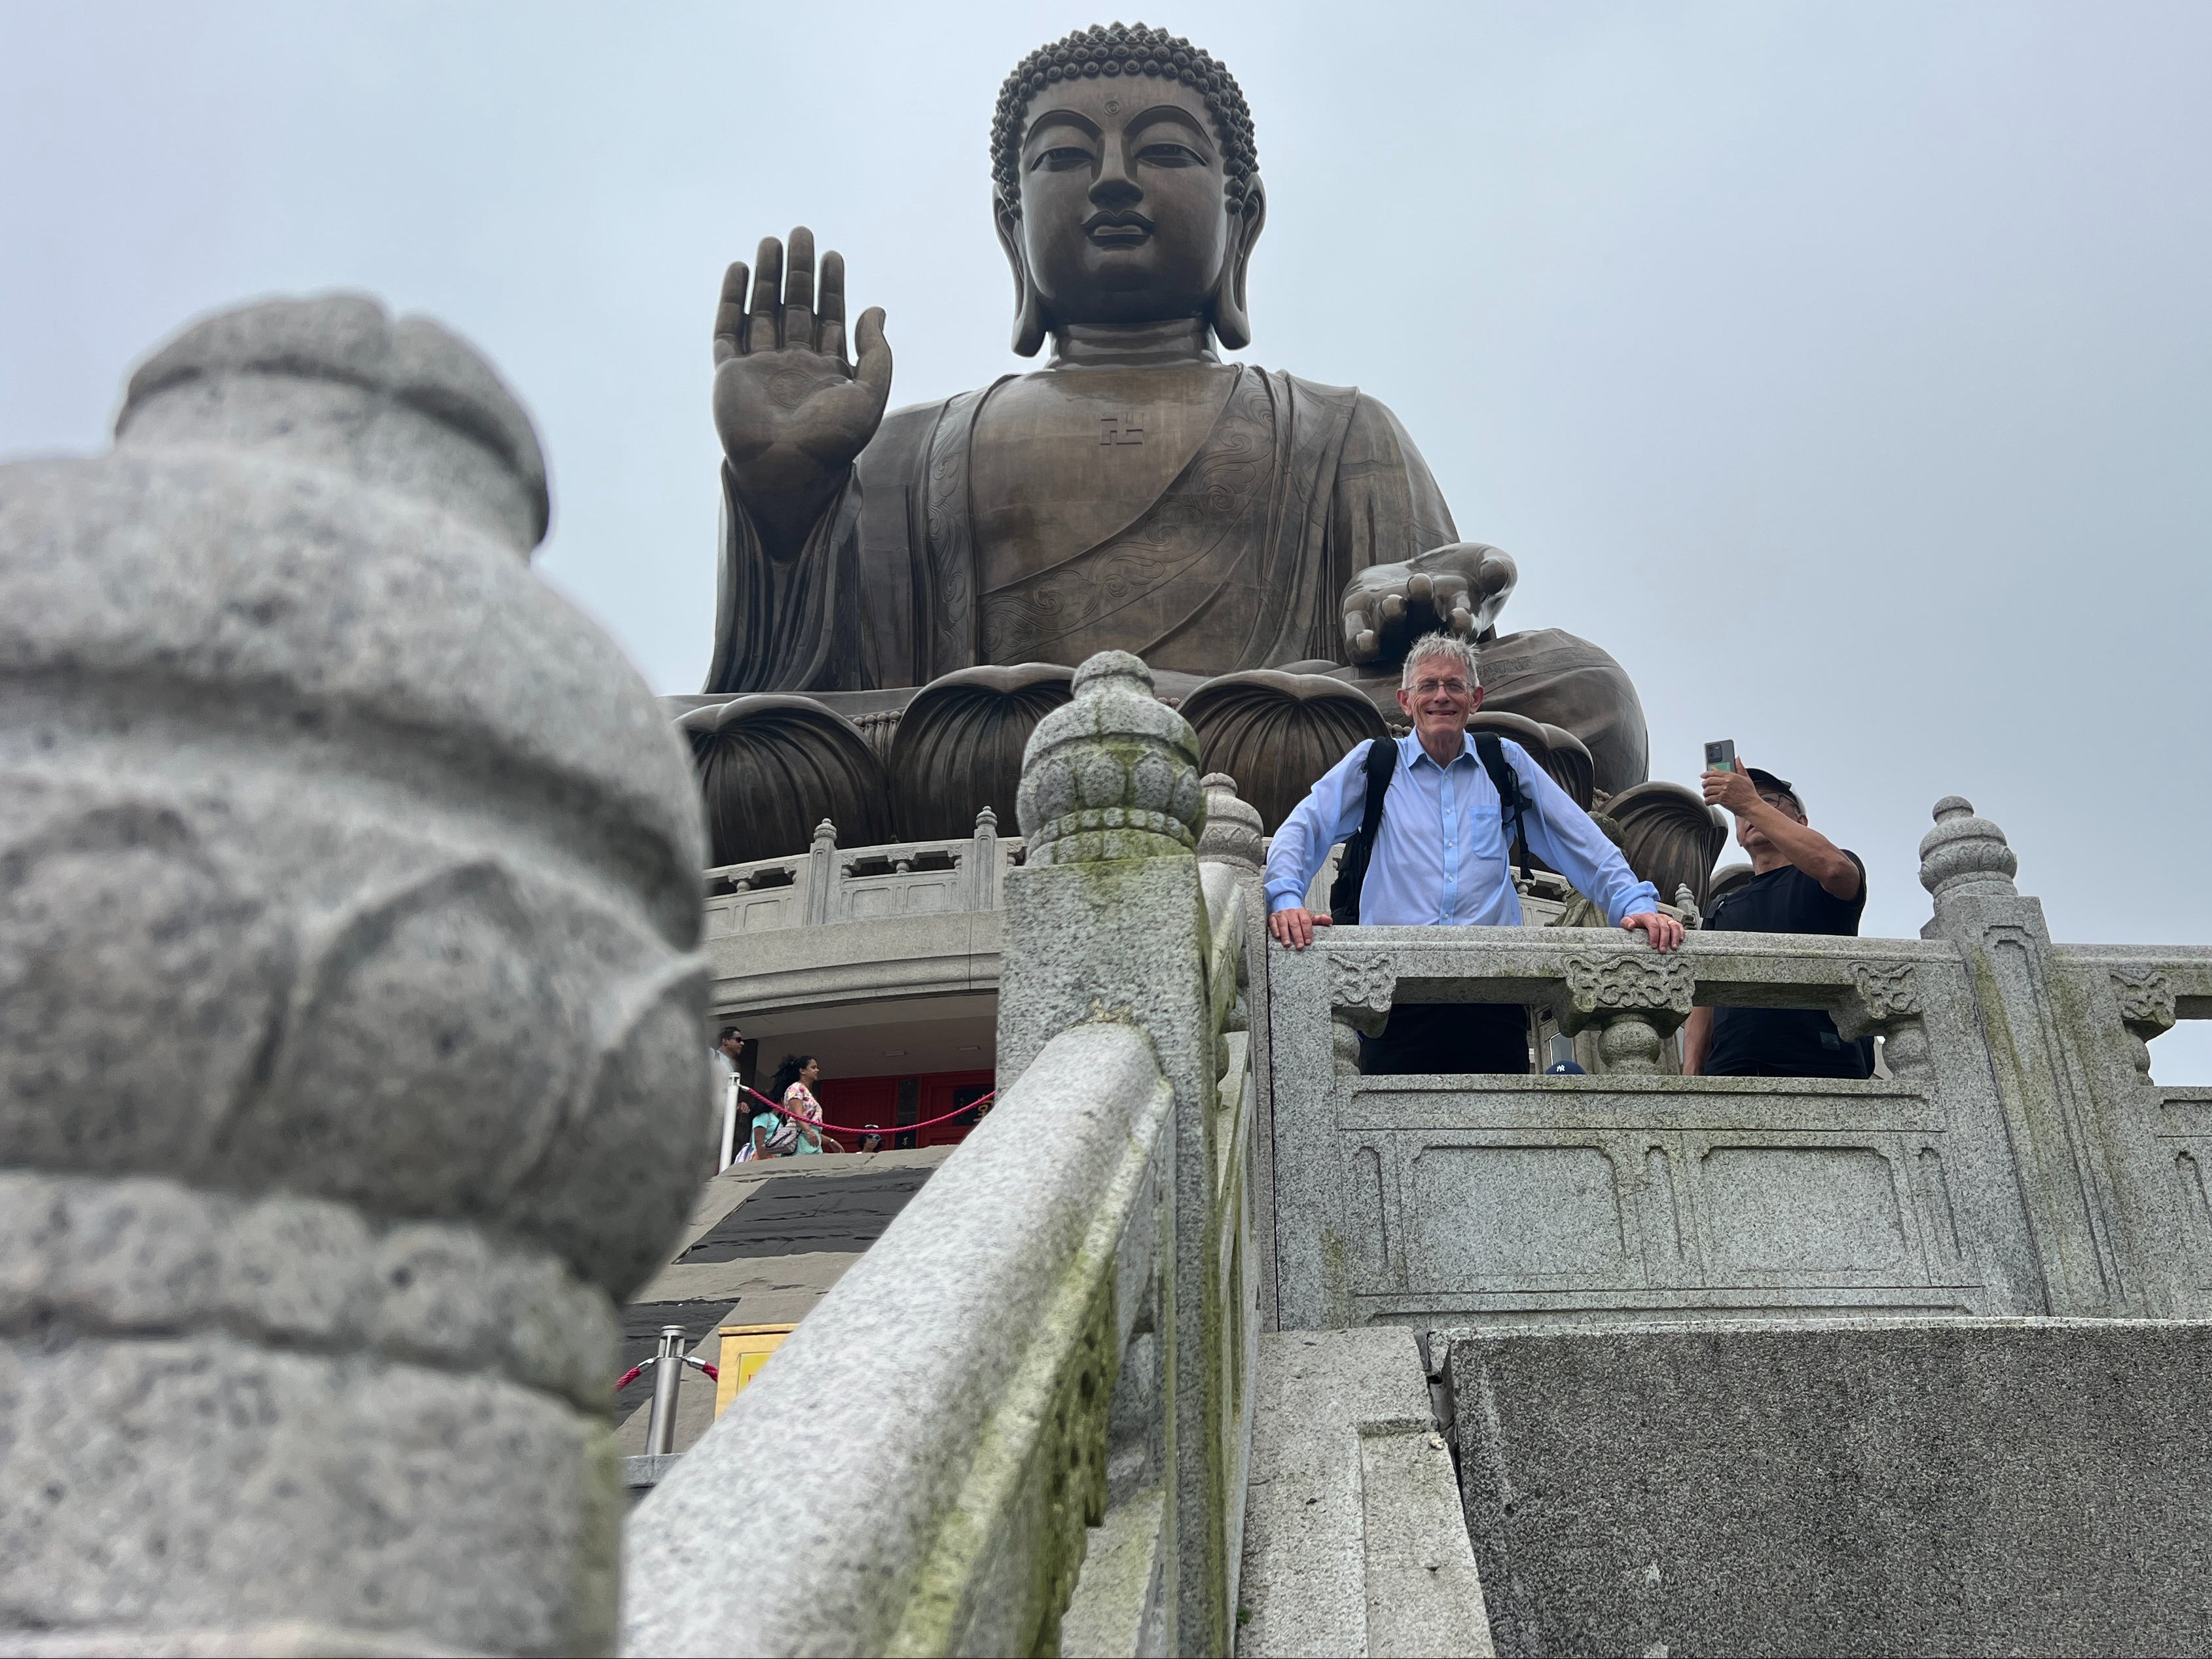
(1802, 882)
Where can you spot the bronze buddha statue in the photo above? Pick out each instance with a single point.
(1136, 493)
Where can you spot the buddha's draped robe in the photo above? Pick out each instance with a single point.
(1239, 563)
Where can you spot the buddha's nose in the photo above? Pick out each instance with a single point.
(1114, 187)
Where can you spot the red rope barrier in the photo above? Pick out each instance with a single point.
(897, 1129)
(638, 1371)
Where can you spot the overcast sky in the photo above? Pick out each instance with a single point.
(1846, 370)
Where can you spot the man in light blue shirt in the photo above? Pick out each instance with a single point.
(1441, 859)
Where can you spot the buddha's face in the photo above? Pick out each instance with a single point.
(1124, 218)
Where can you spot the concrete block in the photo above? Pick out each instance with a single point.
(1960, 1486)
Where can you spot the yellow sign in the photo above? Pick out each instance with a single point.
(745, 1349)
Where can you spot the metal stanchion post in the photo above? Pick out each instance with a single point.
(729, 1125)
(667, 1378)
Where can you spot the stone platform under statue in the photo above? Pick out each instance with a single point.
(903, 596)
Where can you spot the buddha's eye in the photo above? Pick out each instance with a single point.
(1170, 155)
(1060, 157)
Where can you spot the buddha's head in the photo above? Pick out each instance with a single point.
(1126, 184)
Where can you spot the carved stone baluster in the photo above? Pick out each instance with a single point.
(1361, 986)
(1885, 1002)
(2146, 997)
(1634, 1002)
(350, 1057)
(981, 886)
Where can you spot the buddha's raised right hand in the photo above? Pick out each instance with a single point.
(792, 412)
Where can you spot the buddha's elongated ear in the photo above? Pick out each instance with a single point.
(1232, 316)
(1030, 323)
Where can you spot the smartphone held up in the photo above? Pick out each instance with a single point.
(1720, 756)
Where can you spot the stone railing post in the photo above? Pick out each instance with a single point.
(983, 863)
(351, 1065)
(1106, 920)
(2044, 1054)
(825, 881)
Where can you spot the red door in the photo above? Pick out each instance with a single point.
(948, 1091)
(849, 1102)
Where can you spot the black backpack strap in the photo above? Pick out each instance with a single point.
(1511, 793)
(1381, 765)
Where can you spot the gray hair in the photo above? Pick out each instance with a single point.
(1429, 647)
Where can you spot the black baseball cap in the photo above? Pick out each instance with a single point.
(1766, 781)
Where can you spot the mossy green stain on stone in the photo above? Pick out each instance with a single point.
(1040, 1463)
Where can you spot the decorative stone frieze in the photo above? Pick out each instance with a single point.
(1113, 774)
(1650, 983)
(1361, 985)
(350, 1065)
(2146, 997)
(1886, 1001)
(1885, 993)
(1636, 1000)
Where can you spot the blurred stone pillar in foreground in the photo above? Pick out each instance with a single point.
(350, 1052)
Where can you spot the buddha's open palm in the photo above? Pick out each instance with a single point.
(1460, 587)
(792, 411)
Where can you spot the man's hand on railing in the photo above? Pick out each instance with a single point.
(1663, 930)
(1295, 927)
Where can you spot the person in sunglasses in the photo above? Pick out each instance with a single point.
(1802, 882)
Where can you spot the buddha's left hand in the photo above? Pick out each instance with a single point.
(1460, 587)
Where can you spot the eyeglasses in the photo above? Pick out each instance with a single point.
(1431, 688)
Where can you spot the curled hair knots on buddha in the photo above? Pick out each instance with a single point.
(788, 1072)
(1120, 49)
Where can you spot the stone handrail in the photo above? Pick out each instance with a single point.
(828, 883)
(1047, 1357)
(914, 1470)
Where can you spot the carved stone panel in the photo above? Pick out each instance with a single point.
(1361, 987)
(1653, 984)
(1521, 1216)
(2146, 997)
(1776, 1211)
(1879, 998)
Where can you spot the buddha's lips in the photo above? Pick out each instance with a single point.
(1117, 228)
